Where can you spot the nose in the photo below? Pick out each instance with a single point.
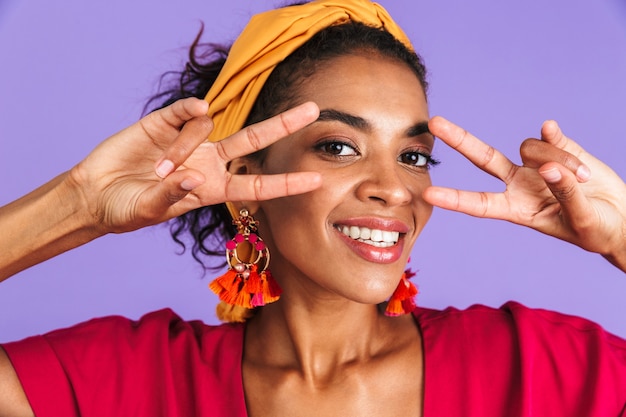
(384, 183)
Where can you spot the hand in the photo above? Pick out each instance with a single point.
(560, 190)
(162, 167)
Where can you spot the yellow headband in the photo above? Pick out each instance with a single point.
(266, 41)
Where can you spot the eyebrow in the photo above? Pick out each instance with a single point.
(418, 129)
(329, 115)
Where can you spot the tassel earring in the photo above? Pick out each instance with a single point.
(402, 300)
(247, 283)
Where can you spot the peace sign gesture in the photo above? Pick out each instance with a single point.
(163, 166)
(152, 171)
(560, 189)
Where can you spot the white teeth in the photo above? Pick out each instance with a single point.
(374, 237)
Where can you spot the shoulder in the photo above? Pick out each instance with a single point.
(164, 323)
(524, 356)
(159, 355)
(159, 321)
(157, 337)
(510, 319)
(161, 330)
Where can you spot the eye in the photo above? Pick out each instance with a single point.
(417, 159)
(337, 148)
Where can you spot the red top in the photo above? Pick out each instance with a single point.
(511, 361)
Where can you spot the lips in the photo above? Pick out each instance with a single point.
(374, 240)
(374, 237)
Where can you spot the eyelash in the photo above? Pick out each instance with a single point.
(325, 148)
(429, 163)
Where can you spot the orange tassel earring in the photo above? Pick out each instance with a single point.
(247, 283)
(402, 300)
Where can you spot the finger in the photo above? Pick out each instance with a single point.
(551, 133)
(266, 187)
(194, 133)
(477, 204)
(479, 153)
(160, 198)
(536, 153)
(168, 120)
(263, 134)
(565, 187)
(181, 111)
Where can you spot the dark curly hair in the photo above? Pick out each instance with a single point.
(210, 227)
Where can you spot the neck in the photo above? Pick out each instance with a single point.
(318, 339)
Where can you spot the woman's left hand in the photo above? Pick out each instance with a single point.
(560, 190)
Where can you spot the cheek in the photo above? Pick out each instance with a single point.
(291, 214)
(421, 209)
(286, 219)
(292, 233)
(424, 211)
(420, 186)
(302, 220)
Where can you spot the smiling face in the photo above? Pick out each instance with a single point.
(352, 237)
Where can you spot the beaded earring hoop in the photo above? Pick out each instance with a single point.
(248, 282)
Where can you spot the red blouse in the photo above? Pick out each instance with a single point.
(511, 361)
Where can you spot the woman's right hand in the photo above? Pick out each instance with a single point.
(158, 168)
(163, 166)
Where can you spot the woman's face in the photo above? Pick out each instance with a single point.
(352, 237)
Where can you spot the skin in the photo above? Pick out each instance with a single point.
(560, 189)
(365, 361)
(148, 173)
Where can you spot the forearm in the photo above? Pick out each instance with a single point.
(41, 225)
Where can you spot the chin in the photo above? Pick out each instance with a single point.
(377, 294)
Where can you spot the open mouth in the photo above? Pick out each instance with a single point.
(373, 237)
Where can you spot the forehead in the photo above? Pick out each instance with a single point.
(366, 85)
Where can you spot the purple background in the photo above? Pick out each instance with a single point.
(74, 72)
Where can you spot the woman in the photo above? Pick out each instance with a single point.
(366, 141)
(502, 101)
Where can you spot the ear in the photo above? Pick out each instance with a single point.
(244, 166)
(240, 166)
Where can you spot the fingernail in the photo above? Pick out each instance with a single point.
(164, 168)
(552, 175)
(189, 184)
(583, 173)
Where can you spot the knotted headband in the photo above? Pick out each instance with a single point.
(266, 41)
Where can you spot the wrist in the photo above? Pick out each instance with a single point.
(618, 256)
(76, 206)
(618, 261)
